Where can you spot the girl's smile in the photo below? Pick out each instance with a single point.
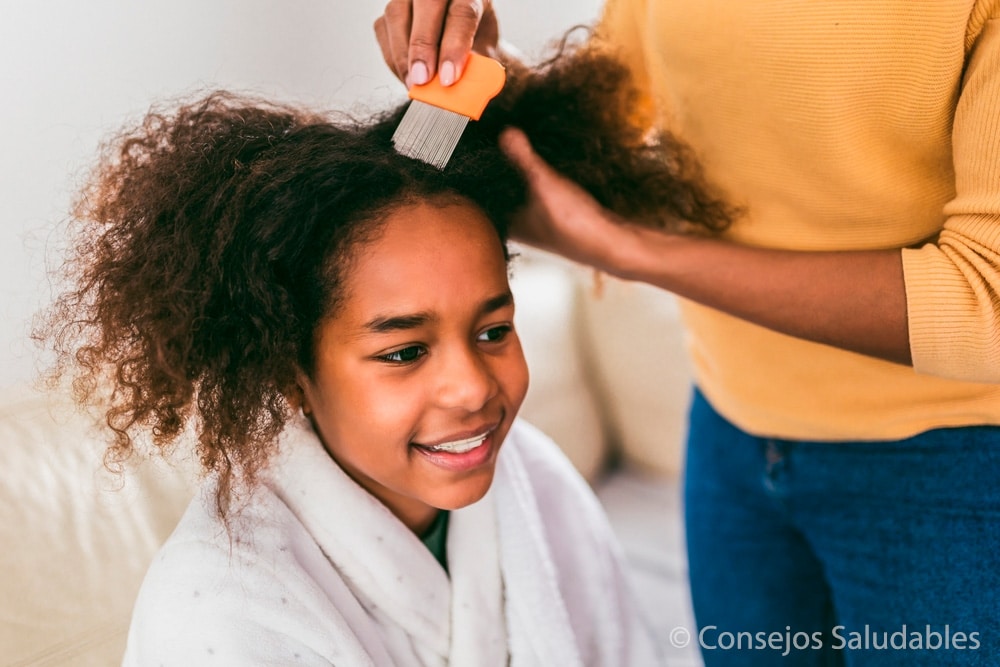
(464, 454)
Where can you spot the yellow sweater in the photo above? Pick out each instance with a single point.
(842, 125)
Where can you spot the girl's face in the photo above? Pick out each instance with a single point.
(420, 373)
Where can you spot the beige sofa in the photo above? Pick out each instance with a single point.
(609, 383)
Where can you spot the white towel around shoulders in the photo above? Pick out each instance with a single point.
(315, 571)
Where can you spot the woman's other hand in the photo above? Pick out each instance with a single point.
(560, 216)
(419, 38)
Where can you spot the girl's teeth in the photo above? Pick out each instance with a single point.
(459, 446)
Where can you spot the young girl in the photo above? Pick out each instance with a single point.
(334, 321)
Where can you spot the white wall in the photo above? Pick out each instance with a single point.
(71, 72)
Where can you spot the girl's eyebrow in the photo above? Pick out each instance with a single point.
(496, 303)
(390, 323)
(383, 324)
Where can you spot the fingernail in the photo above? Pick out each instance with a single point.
(418, 73)
(447, 73)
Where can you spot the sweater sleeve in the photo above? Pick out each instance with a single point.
(953, 285)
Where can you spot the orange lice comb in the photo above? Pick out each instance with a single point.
(431, 127)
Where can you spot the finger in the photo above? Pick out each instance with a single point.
(395, 39)
(382, 37)
(425, 38)
(516, 146)
(488, 34)
(460, 26)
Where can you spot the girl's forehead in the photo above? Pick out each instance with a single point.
(431, 227)
(425, 255)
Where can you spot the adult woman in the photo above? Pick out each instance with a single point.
(844, 333)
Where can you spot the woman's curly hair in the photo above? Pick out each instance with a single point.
(212, 239)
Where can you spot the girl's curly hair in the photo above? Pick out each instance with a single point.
(212, 239)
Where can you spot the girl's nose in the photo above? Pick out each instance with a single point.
(466, 381)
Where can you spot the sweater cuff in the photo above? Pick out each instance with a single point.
(953, 333)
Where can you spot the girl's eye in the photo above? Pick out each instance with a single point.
(407, 355)
(495, 334)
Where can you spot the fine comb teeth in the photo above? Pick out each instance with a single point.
(433, 124)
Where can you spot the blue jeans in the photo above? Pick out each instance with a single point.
(846, 553)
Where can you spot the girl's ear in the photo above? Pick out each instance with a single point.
(296, 397)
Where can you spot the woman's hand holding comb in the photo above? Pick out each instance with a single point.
(419, 38)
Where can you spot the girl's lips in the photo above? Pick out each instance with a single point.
(472, 457)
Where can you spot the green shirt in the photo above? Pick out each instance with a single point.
(436, 538)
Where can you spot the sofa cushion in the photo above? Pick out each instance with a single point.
(560, 401)
(636, 352)
(77, 538)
